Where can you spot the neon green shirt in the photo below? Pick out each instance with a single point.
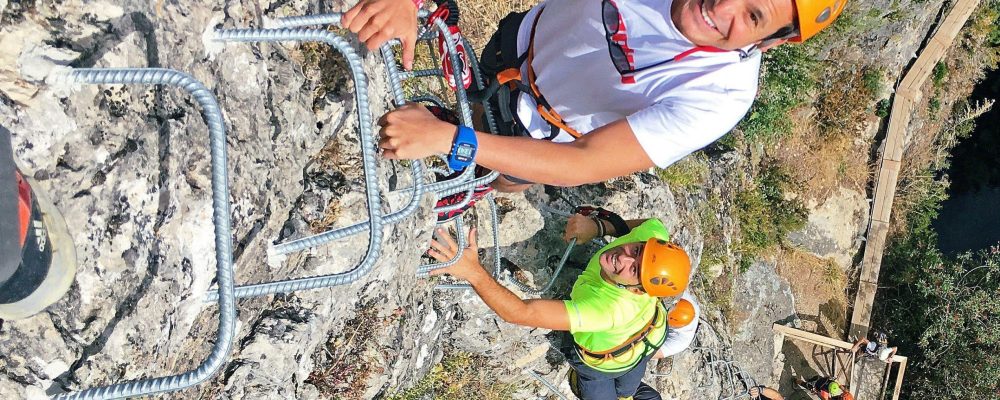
(603, 316)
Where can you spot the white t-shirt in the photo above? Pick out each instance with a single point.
(674, 109)
(680, 338)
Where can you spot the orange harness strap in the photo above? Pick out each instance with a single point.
(626, 346)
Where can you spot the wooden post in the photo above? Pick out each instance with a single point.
(885, 381)
(854, 369)
(899, 376)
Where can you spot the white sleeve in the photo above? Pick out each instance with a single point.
(676, 343)
(684, 123)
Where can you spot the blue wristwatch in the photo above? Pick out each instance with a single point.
(463, 148)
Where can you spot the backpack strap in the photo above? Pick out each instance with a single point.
(510, 82)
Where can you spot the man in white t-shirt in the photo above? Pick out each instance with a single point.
(626, 84)
(683, 321)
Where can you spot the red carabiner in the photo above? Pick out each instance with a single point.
(441, 12)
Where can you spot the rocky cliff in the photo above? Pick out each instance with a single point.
(129, 168)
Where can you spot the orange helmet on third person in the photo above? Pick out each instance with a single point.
(665, 269)
(814, 16)
(681, 315)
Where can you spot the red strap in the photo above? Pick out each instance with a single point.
(441, 12)
(709, 49)
(585, 210)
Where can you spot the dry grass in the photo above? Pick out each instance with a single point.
(325, 70)
(329, 217)
(807, 271)
(460, 376)
(825, 151)
(690, 173)
(846, 100)
(479, 18)
(821, 164)
(347, 361)
(820, 289)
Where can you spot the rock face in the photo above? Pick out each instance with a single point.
(835, 227)
(129, 168)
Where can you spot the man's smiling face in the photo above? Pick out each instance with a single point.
(731, 24)
(621, 264)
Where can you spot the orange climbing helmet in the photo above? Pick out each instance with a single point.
(814, 16)
(665, 270)
(681, 315)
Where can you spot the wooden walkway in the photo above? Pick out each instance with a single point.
(907, 95)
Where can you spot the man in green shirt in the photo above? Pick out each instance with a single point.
(614, 313)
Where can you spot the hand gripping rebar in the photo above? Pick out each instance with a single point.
(464, 182)
(220, 218)
(425, 270)
(375, 220)
(416, 166)
(395, 85)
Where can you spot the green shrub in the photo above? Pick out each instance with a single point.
(846, 98)
(943, 312)
(871, 78)
(933, 106)
(789, 78)
(688, 173)
(459, 376)
(939, 73)
(883, 107)
(765, 215)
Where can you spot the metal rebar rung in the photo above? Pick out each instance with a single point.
(465, 181)
(393, 76)
(367, 156)
(555, 274)
(220, 218)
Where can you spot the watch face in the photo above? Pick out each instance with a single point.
(464, 152)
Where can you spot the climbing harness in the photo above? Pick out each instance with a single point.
(595, 358)
(510, 82)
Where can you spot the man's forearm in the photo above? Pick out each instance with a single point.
(539, 161)
(610, 229)
(609, 152)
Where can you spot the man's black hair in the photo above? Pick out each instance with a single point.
(785, 32)
(788, 31)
